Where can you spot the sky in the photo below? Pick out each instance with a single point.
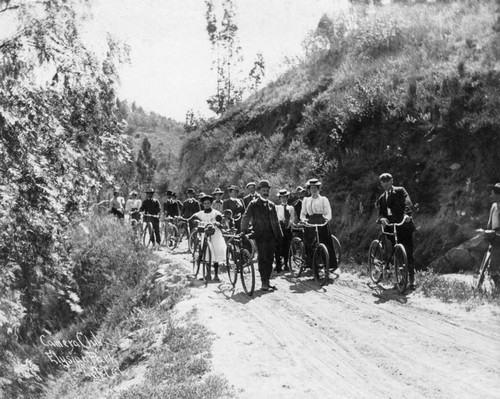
(170, 68)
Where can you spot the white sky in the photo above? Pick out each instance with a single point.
(171, 56)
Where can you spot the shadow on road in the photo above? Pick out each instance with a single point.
(384, 295)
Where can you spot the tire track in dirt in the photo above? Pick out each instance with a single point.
(346, 340)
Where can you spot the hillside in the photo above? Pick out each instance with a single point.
(409, 89)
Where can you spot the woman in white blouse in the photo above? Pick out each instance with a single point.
(316, 210)
(217, 242)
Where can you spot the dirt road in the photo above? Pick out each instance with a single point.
(346, 340)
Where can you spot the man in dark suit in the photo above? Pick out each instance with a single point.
(251, 193)
(235, 204)
(171, 206)
(190, 206)
(394, 206)
(299, 194)
(267, 232)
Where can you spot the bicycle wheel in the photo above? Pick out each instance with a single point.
(196, 256)
(147, 235)
(338, 249)
(376, 261)
(247, 271)
(206, 263)
(400, 268)
(193, 240)
(231, 258)
(485, 264)
(321, 264)
(296, 257)
(171, 236)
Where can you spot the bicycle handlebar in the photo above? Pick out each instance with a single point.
(305, 224)
(149, 215)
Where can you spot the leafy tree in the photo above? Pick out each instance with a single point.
(257, 72)
(59, 135)
(146, 164)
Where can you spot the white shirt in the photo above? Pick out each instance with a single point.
(132, 203)
(319, 205)
(280, 210)
(494, 220)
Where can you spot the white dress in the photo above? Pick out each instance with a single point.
(217, 243)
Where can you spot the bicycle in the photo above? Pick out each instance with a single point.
(297, 262)
(148, 237)
(490, 236)
(239, 260)
(202, 252)
(170, 233)
(384, 267)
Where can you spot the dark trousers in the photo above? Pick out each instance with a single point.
(265, 248)
(156, 228)
(282, 248)
(405, 237)
(119, 214)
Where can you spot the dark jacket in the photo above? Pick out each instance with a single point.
(264, 220)
(171, 208)
(151, 206)
(249, 198)
(399, 203)
(236, 205)
(190, 207)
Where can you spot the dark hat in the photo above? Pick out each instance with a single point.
(313, 182)
(495, 187)
(233, 187)
(217, 191)
(252, 183)
(283, 192)
(174, 194)
(206, 197)
(150, 190)
(190, 190)
(263, 183)
(133, 192)
(300, 189)
(385, 177)
(169, 192)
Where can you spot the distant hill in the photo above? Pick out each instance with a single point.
(411, 89)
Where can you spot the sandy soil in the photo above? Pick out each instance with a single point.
(350, 339)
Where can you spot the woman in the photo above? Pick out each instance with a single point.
(132, 206)
(117, 204)
(316, 210)
(217, 242)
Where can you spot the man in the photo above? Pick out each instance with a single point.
(262, 214)
(494, 224)
(218, 204)
(117, 204)
(286, 216)
(132, 206)
(190, 206)
(316, 209)
(171, 206)
(235, 204)
(299, 194)
(251, 194)
(395, 206)
(151, 206)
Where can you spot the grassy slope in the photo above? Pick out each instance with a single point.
(409, 89)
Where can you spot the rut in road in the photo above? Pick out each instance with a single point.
(346, 340)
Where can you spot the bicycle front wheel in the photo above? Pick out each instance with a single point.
(376, 261)
(338, 249)
(482, 271)
(193, 240)
(400, 268)
(171, 236)
(206, 263)
(231, 259)
(196, 256)
(147, 235)
(247, 271)
(321, 264)
(296, 257)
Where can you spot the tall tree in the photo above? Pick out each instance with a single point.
(227, 53)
